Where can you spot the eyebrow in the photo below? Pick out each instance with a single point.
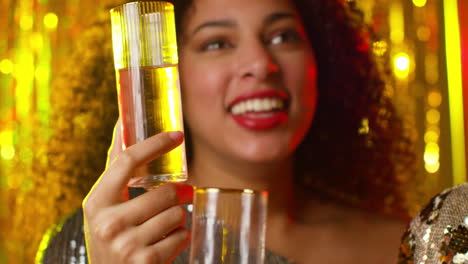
(277, 16)
(227, 23)
(216, 23)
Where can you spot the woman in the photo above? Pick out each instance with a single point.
(311, 151)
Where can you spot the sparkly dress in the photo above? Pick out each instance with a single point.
(67, 246)
(439, 234)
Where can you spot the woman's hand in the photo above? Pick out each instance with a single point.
(146, 229)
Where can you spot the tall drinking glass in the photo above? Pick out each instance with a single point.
(228, 226)
(145, 59)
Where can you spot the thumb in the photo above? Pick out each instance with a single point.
(116, 145)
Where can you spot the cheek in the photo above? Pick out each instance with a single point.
(202, 91)
(301, 81)
(194, 83)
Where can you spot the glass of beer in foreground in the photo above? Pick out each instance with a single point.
(145, 59)
(228, 226)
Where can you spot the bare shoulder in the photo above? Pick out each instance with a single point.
(387, 224)
(379, 235)
(384, 233)
(350, 234)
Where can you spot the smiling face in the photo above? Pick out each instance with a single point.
(248, 78)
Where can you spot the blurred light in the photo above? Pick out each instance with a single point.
(397, 22)
(402, 61)
(423, 33)
(434, 99)
(432, 147)
(26, 155)
(42, 73)
(50, 20)
(7, 152)
(36, 41)
(455, 90)
(26, 185)
(25, 67)
(43, 76)
(379, 47)
(431, 153)
(432, 168)
(364, 129)
(401, 64)
(431, 63)
(6, 66)
(431, 136)
(435, 128)
(26, 22)
(419, 3)
(24, 75)
(433, 116)
(6, 137)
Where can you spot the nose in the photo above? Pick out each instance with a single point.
(256, 61)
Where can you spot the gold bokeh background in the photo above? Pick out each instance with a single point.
(51, 141)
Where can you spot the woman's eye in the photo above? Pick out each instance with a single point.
(286, 37)
(215, 45)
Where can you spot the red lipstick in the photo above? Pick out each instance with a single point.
(264, 123)
(260, 120)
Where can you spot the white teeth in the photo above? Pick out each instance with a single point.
(268, 104)
(249, 104)
(257, 105)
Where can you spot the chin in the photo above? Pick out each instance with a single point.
(263, 155)
(275, 147)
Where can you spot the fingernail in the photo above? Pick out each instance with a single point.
(176, 135)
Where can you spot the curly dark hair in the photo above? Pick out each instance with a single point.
(357, 147)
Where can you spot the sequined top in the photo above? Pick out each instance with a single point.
(68, 246)
(439, 234)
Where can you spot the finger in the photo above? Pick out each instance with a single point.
(131, 214)
(116, 145)
(159, 226)
(167, 221)
(108, 189)
(149, 204)
(166, 250)
(114, 149)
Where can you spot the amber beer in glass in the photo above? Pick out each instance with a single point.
(145, 59)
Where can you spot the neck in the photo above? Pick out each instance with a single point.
(274, 177)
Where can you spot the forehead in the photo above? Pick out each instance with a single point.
(239, 10)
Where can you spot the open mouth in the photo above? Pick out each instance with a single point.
(258, 106)
(259, 102)
(260, 110)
